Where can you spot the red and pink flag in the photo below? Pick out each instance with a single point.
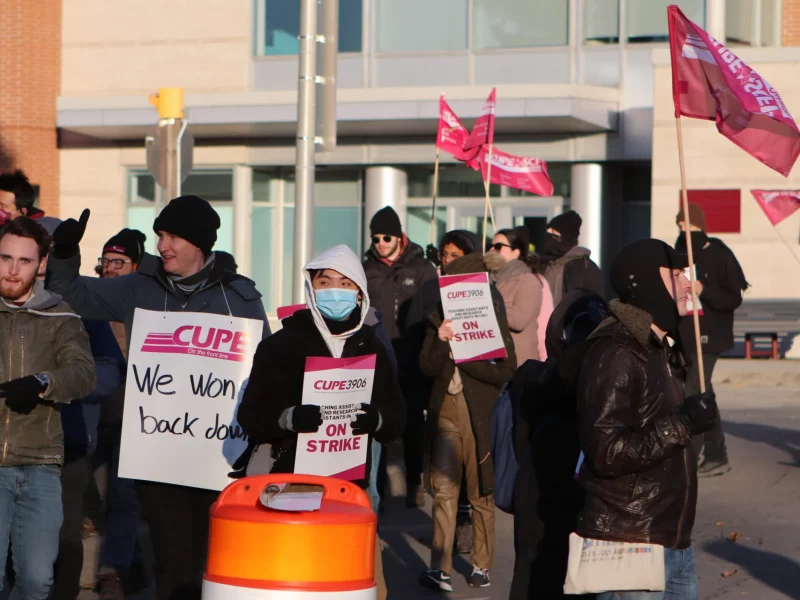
(483, 132)
(777, 204)
(711, 82)
(451, 136)
(518, 172)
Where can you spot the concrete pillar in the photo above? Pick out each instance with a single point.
(715, 19)
(242, 218)
(384, 186)
(587, 200)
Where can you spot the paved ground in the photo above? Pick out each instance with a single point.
(758, 499)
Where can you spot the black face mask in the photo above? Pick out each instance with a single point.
(699, 241)
(554, 247)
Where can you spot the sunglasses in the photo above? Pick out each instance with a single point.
(386, 239)
(497, 247)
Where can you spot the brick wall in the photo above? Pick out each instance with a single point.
(30, 80)
(791, 23)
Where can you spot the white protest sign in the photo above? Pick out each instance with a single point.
(339, 386)
(467, 301)
(186, 377)
(689, 303)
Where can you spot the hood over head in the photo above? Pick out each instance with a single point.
(41, 300)
(343, 260)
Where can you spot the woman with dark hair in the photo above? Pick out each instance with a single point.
(527, 297)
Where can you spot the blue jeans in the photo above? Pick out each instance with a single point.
(31, 516)
(680, 575)
(374, 469)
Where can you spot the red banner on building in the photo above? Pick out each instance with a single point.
(518, 172)
(711, 82)
(777, 204)
(483, 132)
(451, 136)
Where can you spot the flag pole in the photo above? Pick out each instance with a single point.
(701, 372)
(488, 206)
(435, 193)
(785, 243)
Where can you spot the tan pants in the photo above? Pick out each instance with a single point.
(454, 448)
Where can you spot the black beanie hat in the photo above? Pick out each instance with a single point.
(128, 242)
(386, 222)
(636, 279)
(190, 218)
(568, 224)
(464, 240)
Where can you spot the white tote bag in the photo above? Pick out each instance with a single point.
(598, 566)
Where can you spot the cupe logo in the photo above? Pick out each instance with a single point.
(212, 342)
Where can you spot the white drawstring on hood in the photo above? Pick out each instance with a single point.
(343, 260)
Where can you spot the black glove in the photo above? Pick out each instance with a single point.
(22, 395)
(68, 235)
(239, 466)
(306, 418)
(432, 254)
(368, 421)
(700, 412)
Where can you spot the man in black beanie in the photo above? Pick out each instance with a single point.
(396, 270)
(639, 472)
(184, 278)
(121, 254)
(567, 266)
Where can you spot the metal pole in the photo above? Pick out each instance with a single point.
(172, 188)
(304, 167)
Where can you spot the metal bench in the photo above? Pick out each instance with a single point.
(750, 352)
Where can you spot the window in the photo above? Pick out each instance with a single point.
(722, 208)
(282, 26)
(215, 186)
(418, 225)
(421, 25)
(647, 19)
(601, 21)
(520, 23)
(455, 181)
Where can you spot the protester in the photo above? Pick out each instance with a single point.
(272, 409)
(720, 283)
(568, 266)
(80, 421)
(526, 294)
(48, 362)
(458, 428)
(184, 279)
(453, 245)
(396, 269)
(639, 472)
(547, 498)
(227, 262)
(16, 200)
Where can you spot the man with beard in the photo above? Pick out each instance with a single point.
(47, 361)
(635, 427)
(567, 266)
(396, 269)
(720, 283)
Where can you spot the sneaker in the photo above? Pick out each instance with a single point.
(713, 468)
(109, 586)
(479, 578)
(436, 580)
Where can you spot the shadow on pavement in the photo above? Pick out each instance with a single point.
(778, 572)
(787, 440)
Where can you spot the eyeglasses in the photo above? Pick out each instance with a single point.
(117, 263)
(498, 246)
(386, 239)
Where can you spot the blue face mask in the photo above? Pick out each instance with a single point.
(336, 304)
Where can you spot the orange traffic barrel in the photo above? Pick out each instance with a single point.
(259, 553)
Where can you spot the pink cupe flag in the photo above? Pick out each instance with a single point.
(451, 136)
(518, 172)
(777, 204)
(711, 82)
(483, 131)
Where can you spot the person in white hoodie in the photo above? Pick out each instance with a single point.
(272, 409)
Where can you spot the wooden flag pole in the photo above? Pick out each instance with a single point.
(701, 372)
(435, 193)
(487, 185)
(785, 243)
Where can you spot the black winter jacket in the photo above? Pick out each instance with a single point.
(276, 383)
(723, 282)
(640, 474)
(391, 288)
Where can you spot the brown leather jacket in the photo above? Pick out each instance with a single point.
(640, 475)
